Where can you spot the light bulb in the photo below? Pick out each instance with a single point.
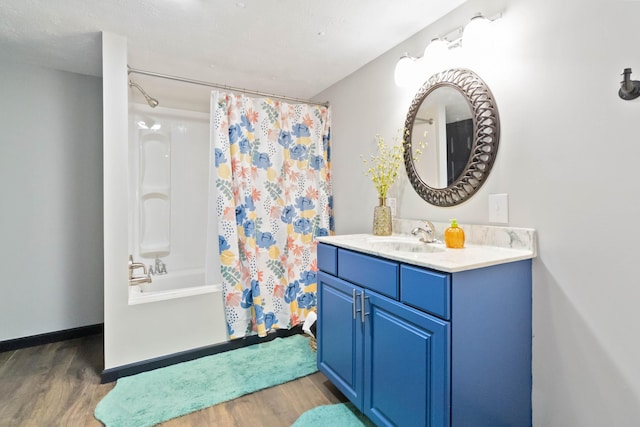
(404, 71)
(436, 49)
(477, 34)
(435, 57)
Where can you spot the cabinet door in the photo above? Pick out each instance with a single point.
(340, 334)
(407, 365)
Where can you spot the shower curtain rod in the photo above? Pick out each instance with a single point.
(220, 86)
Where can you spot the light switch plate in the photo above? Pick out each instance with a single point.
(499, 208)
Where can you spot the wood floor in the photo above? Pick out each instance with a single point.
(59, 385)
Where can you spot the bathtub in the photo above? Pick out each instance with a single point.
(178, 284)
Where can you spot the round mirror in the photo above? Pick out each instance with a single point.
(451, 137)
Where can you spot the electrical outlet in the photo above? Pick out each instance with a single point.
(391, 202)
(499, 208)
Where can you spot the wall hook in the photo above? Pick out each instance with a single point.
(629, 89)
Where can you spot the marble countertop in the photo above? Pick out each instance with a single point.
(487, 246)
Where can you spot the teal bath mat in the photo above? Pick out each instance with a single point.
(341, 414)
(152, 397)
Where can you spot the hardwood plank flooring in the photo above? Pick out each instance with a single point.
(58, 384)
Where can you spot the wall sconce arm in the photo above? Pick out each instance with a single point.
(629, 89)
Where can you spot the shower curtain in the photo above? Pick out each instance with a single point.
(272, 198)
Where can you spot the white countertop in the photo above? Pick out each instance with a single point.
(472, 256)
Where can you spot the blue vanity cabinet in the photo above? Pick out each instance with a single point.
(389, 359)
(406, 365)
(340, 335)
(411, 346)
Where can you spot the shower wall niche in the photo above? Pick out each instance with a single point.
(168, 193)
(154, 183)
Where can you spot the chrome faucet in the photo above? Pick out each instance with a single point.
(427, 234)
(160, 267)
(137, 280)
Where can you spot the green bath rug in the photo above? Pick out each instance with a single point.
(341, 414)
(152, 397)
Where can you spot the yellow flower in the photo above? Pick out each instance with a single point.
(223, 171)
(308, 213)
(227, 257)
(274, 252)
(383, 168)
(271, 174)
(251, 242)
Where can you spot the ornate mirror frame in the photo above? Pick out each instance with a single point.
(486, 136)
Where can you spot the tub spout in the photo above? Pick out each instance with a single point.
(139, 280)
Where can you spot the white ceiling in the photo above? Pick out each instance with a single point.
(289, 47)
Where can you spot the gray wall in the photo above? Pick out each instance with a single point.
(51, 254)
(568, 157)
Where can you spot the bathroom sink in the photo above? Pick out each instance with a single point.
(403, 244)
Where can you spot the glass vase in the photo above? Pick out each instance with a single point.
(382, 219)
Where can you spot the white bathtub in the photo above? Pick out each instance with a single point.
(176, 284)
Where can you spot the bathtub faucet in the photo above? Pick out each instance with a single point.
(137, 280)
(160, 267)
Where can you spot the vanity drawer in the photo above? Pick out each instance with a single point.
(373, 273)
(328, 258)
(426, 290)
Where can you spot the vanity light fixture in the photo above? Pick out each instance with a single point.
(437, 54)
(468, 37)
(404, 69)
(629, 89)
(475, 30)
(437, 49)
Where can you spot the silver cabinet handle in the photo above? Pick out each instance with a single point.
(362, 313)
(354, 304)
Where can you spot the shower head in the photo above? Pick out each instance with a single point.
(153, 103)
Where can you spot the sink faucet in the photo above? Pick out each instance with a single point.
(427, 234)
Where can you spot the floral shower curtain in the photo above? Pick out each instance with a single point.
(273, 198)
